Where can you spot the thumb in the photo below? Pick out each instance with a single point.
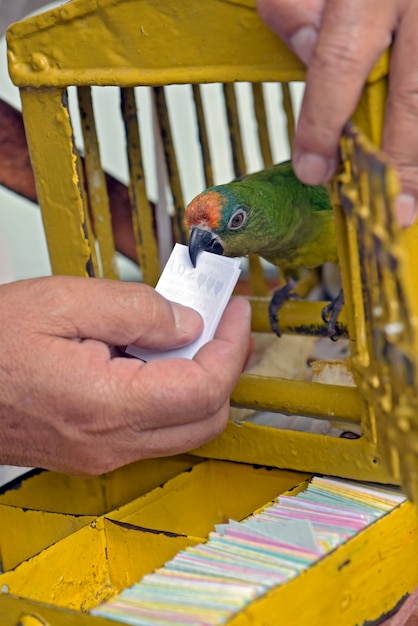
(111, 311)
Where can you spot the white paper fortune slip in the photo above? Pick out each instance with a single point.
(206, 288)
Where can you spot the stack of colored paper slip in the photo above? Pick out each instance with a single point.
(207, 584)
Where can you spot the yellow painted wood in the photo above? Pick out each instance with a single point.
(370, 112)
(408, 240)
(54, 156)
(50, 491)
(257, 280)
(294, 397)
(31, 620)
(97, 192)
(134, 551)
(203, 136)
(171, 162)
(358, 459)
(57, 493)
(290, 116)
(193, 503)
(71, 573)
(235, 138)
(85, 568)
(152, 34)
(72, 57)
(294, 317)
(217, 41)
(25, 532)
(14, 609)
(136, 479)
(142, 214)
(365, 578)
(384, 356)
(262, 127)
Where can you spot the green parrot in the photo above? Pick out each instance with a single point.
(273, 214)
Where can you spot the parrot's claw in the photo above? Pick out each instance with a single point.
(280, 296)
(330, 315)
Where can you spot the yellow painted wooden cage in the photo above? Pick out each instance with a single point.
(68, 544)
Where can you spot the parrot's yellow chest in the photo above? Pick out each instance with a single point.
(318, 247)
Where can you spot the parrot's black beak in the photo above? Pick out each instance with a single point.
(203, 240)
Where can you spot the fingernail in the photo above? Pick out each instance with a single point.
(313, 169)
(303, 43)
(187, 320)
(405, 209)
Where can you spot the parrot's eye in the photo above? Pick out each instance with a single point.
(237, 219)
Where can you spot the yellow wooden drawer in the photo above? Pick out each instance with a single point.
(358, 582)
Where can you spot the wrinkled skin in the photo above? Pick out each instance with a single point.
(340, 42)
(66, 405)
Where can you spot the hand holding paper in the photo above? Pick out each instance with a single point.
(206, 288)
(84, 412)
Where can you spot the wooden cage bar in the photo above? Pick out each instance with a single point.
(142, 212)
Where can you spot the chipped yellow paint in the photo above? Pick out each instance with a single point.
(359, 459)
(364, 578)
(36, 57)
(210, 487)
(58, 493)
(295, 397)
(31, 620)
(97, 192)
(142, 216)
(26, 532)
(64, 216)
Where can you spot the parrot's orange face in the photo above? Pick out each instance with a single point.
(215, 218)
(203, 217)
(205, 210)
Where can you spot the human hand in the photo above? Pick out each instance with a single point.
(66, 405)
(340, 42)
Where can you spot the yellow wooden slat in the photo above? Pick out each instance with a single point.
(96, 185)
(203, 136)
(262, 127)
(25, 533)
(294, 397)
(288, 109)
(172, 167)
(78, 59)
(54, 157)
(237, 148)
(358, 459)
(145, 53)
(210, 486)
(142, 214)
(72, 573)
(295, 317)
